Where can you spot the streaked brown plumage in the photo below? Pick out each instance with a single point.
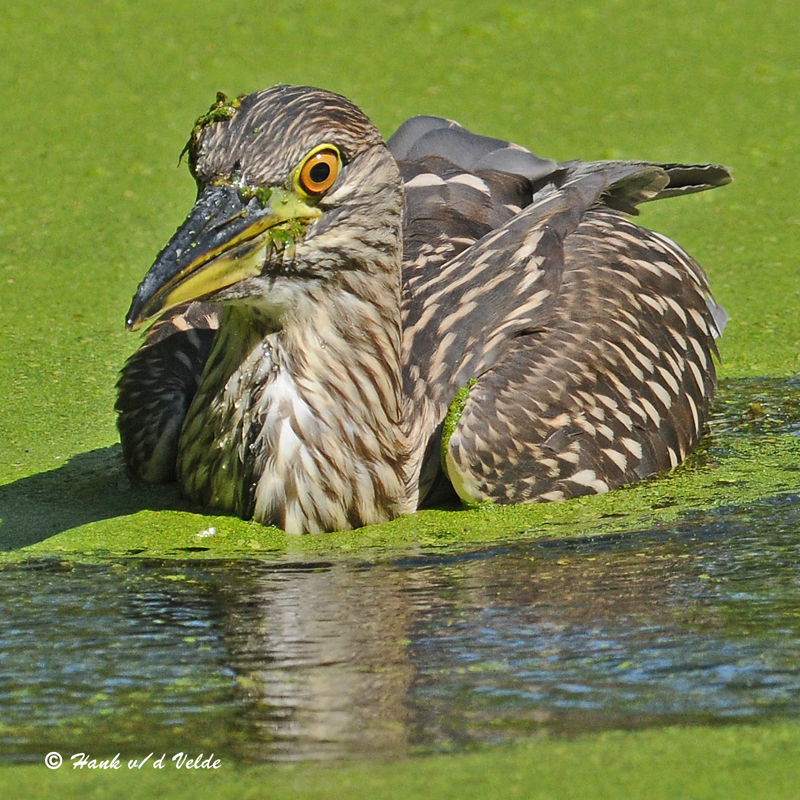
(330, 300)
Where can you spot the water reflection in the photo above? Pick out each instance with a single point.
(285, 661)
(322, 657)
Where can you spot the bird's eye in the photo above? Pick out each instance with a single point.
(319, 171)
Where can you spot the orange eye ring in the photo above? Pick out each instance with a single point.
(319, 172)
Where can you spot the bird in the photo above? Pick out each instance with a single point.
(345, 329)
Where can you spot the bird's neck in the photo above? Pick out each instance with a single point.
(297, 421)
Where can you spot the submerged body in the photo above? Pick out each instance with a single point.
(330, 300)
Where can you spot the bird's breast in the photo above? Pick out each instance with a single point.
(216, 460)
(268, 436)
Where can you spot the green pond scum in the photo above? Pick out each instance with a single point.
(748, 763)
(221, 109)
(89, 194)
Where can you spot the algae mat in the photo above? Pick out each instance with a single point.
(99, 103)
(747, 764)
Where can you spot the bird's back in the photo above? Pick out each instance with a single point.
(526, 280)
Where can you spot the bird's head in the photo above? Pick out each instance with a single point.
(295, 189)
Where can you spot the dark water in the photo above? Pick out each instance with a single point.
(435, 650)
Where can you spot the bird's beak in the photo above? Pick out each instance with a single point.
(226, 238)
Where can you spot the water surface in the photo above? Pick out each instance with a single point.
(416, 649)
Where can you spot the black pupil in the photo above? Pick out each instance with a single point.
(320, 172)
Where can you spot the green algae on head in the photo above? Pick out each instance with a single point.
(221, 109)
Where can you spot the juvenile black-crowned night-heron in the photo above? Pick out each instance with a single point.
(348, 326)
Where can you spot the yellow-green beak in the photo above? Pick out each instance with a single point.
(225, 239)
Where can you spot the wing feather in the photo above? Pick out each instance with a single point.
(157, 385)
(612, 387)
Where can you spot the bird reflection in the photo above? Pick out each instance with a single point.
(343, 659)
(321, 653)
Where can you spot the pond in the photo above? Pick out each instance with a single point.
(430, 649)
